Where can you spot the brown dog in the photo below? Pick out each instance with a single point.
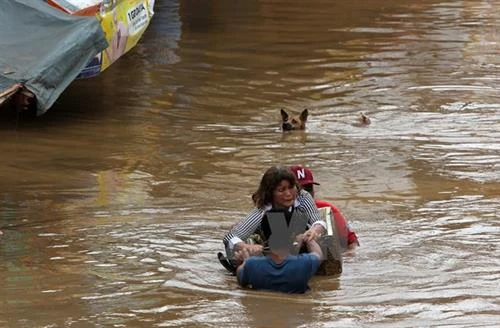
(294, 122)
(362, 120)
(365, 120)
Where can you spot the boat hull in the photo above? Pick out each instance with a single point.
(36, 67)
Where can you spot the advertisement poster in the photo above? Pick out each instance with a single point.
(123, 22)
(123, 26)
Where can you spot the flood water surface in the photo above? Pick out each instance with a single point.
(114, 203)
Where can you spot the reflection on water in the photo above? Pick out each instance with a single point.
(113, 204)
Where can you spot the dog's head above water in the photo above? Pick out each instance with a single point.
(294, 122)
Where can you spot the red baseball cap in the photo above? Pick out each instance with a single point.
(304, 175)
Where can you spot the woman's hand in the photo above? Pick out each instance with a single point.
(313, 233)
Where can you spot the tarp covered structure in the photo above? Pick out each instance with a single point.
(44, 49)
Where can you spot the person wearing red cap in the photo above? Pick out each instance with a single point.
(348, 238)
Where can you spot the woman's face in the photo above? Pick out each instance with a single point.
(284, 194)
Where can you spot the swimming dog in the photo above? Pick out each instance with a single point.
(294, 122)
(362, 120)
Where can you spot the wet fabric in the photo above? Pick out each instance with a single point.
(290, 276)
(44, 48)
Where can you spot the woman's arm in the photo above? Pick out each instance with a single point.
(316, 223)
(308, 206)
(243, 229)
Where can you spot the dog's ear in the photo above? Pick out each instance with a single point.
(284, 115)
(304, 114)
(364, 119)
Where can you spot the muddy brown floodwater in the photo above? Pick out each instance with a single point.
(114, 203)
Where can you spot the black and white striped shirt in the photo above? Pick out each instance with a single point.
(304, 204)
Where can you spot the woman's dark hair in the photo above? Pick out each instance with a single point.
(270, 180)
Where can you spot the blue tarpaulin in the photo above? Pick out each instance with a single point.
(44, 49)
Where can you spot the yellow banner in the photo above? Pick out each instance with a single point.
(123, 22)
